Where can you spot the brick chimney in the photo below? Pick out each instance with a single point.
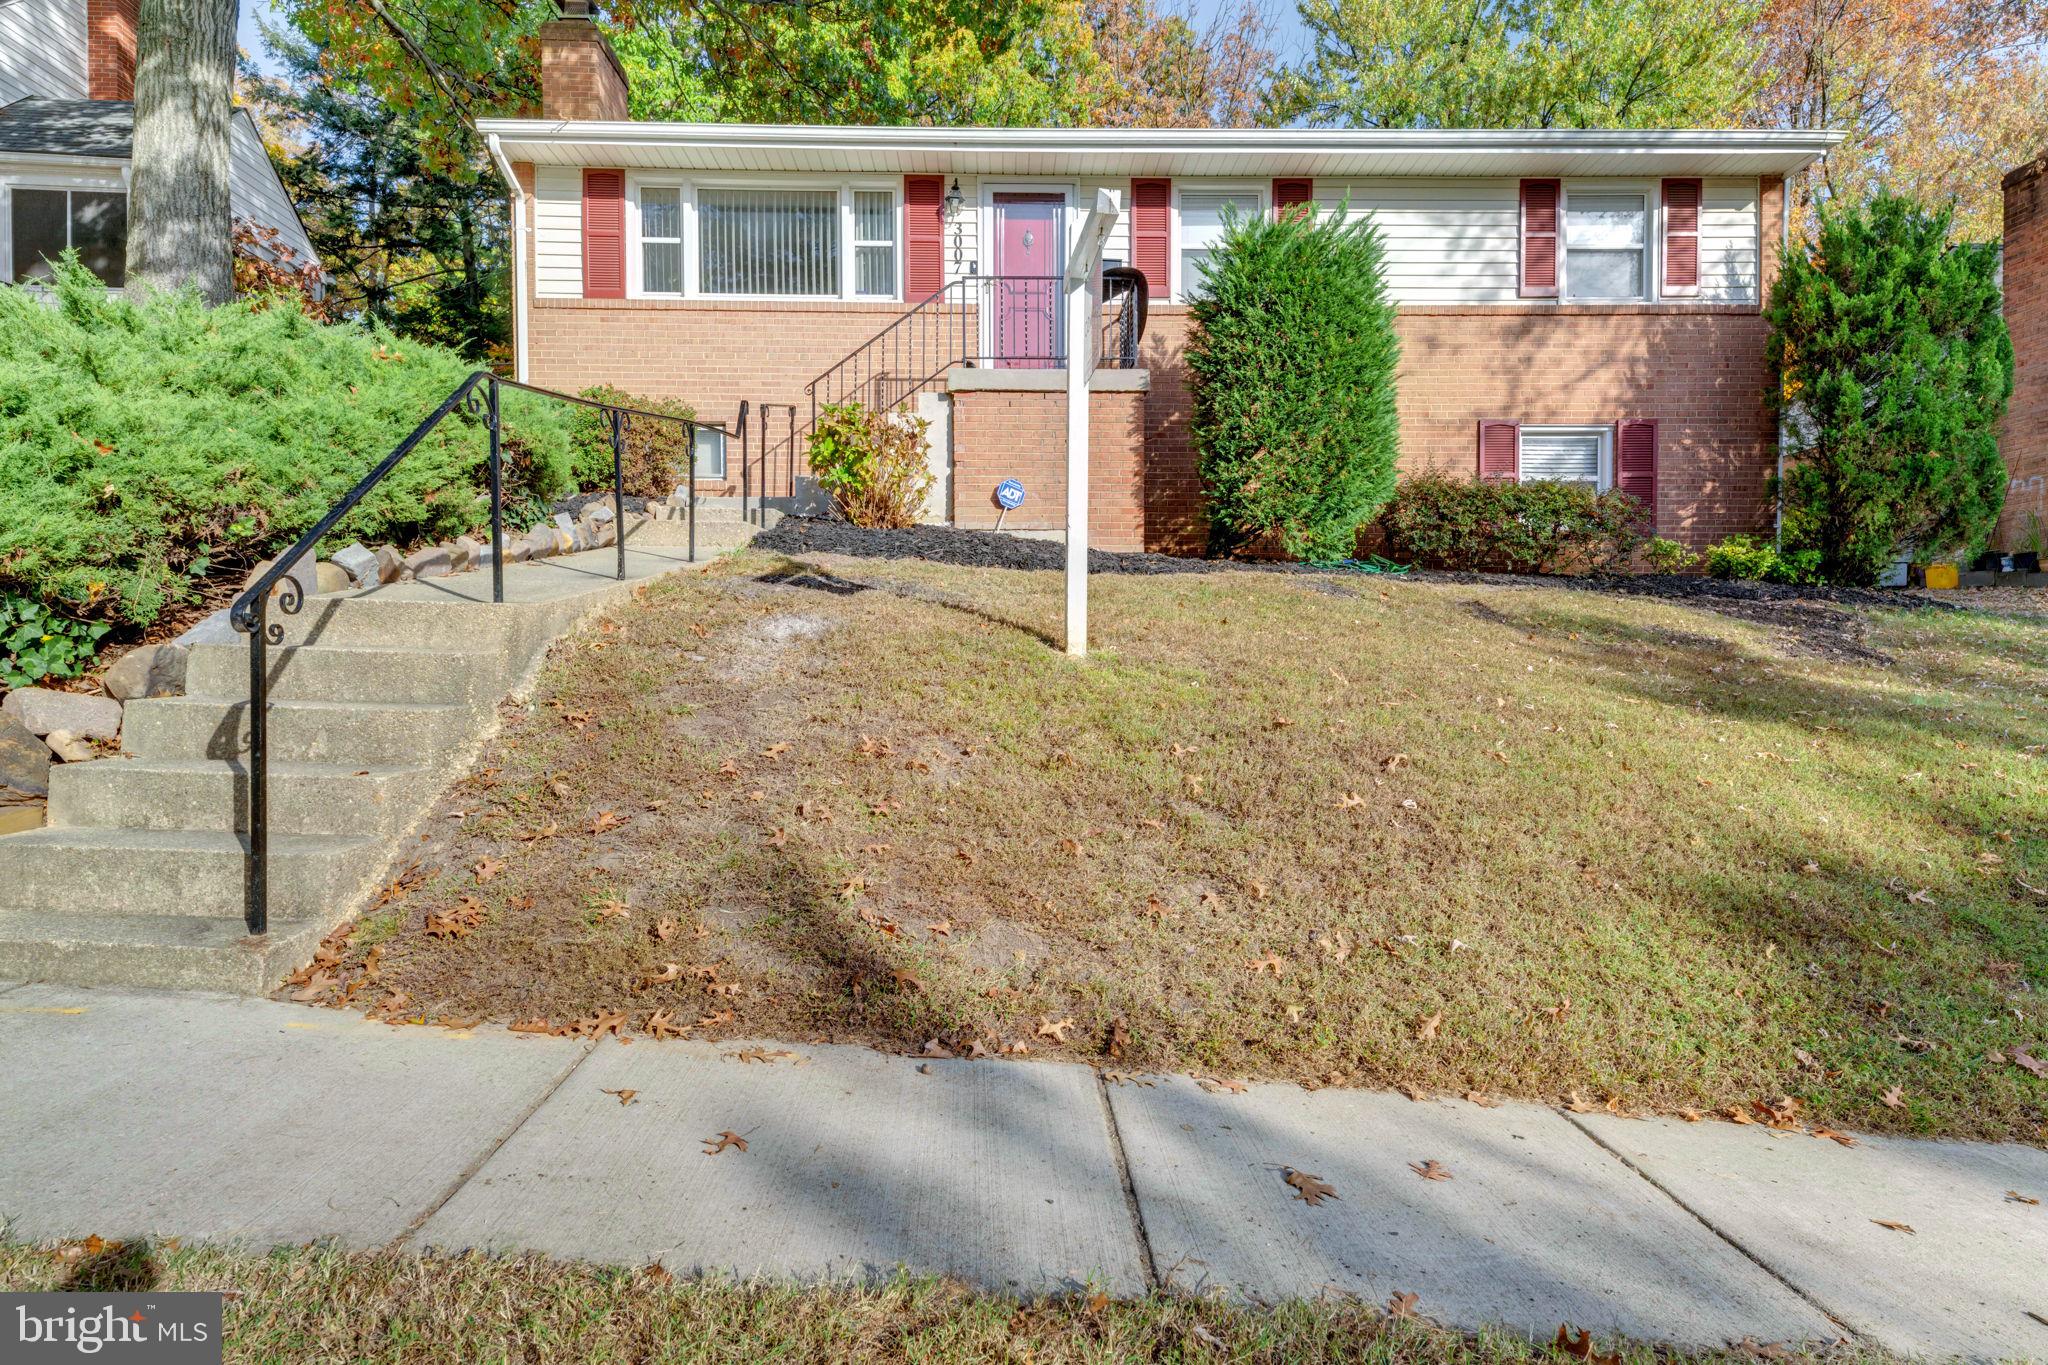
(110, 48)
(580, 75)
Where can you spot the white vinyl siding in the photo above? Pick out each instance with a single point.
(42, 50)
(255, 192)
(1729, 224)
(1446, 241)
(558, 232)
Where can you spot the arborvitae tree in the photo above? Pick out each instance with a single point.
(1292, 366)
(1891, 365)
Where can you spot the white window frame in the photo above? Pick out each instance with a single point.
(1653, 234)
(1603, 480)
(86, 182)
(850, 219)
(1238, 191)
(690, 186)
(699, 433)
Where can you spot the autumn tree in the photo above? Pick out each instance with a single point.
(178, 215)
(1938, 97)
(1156, 68)
(1524, 64)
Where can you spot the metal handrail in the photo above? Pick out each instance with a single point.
(250, 612)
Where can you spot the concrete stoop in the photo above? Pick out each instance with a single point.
(378, 698)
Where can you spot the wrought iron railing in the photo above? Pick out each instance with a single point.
(479, 396)
(985, 321)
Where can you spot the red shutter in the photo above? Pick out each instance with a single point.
(1152, 234)
(1539, 238)
(1681, 236)
(1500, 451)
(1635, 465)
(924, 236)
(1291, 194)
(604, 234)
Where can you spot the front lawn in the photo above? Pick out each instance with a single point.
(1523, 840)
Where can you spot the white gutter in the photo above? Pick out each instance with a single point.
(518, 255)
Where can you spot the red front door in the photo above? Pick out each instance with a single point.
(1025, 293)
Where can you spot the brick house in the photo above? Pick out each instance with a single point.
(1581, 305)
(67, 120)
(2023, 440)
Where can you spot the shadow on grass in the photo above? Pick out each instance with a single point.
(117, 1268)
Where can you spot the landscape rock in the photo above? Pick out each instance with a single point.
(359, 563)
(329, 577)
(390, 564)
(151, 671)
(215, 628)
(596, 513)
(19, 819)
(43, 711)
(24, 765)
(435, 561)
(305, 573)
(69, 747)
(604, 533)
(518, 552)
(465, 553)
(542, 541)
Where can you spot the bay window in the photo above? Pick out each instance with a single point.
(46, 222)
(1606, 246)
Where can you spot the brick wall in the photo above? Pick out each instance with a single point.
(2024, 439)
(580, 75)
(110, 48)
(999, 435)
(1698, 370)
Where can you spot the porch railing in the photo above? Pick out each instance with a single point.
(478, 397)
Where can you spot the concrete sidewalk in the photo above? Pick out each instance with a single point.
(132, 1114)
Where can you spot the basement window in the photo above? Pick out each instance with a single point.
(1568, 455)
(94, 223)
(709, 456)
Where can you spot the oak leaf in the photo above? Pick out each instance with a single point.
(669, 971)
(1402, 1305)
(1580, 1346)
(1047, 1028)
(1217, 1085)
(713, 1146)
(625, 1096)
(1430, 1170)
(1310, 1189)
(1425, 1028)
(606, 820)
(1893, 1098)
(1482, 1099)
(662, 1024)
(486, 869)
(1272, 962)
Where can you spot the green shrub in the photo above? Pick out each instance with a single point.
(872, 463)
(1892, 366)
(36, 643)
(146, 443)
(1292, 369)
(655, 456)
(1539, 527)
(1749, 557)
(1667, 556)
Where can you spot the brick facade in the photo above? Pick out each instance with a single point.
(110, 48)
(580, 75)
(2024, 438)
(1023, 436)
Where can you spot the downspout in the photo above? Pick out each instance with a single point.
(518, 256)
(1784, 434)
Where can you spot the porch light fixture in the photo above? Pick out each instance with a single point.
(955, 201)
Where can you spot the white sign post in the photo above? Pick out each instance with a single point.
(1084, 343)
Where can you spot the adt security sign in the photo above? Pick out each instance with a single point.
(1010, 494)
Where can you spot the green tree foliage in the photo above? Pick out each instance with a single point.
(1891, 363)
(147, 444)
(1292, 366)
(1524, 63)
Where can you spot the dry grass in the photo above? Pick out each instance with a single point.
(310, 1306)
(1275, 826)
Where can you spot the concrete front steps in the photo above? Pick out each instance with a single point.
(377, 698)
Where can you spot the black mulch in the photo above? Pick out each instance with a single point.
(576, 502)
(1810, 616)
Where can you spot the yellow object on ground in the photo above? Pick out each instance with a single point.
(1942, 575)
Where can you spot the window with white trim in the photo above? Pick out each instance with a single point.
(708, 455)
(768, 242)
(1201, 231)
(1568, 455)
(661, 239)
(1606, 246)
(874, 244)
(46, 222)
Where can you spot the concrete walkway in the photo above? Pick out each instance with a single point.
(132, 1114)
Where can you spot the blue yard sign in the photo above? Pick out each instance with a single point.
(1010, 494)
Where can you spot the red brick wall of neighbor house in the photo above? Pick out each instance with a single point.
(110, 48)
(1023, 436)
(580, 75)
(2024, 439)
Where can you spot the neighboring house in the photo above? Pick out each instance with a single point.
(67, 120)
(2024, 438)
(1579, 305)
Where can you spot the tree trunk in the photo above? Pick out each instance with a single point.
(179, 226)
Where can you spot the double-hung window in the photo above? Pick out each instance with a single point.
(1201, 231)
(45, 222)
(1568, 455)
(661, 239)
(874, 244)
(1606, 246)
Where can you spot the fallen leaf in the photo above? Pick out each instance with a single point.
(1350, 801)
(662, 1024)
(943, 928)
(1430, 1170)
(669, 971)
(606, 820)
(316, 985)
(662, 929)
(1895, 1227)
(2029, 1063)
(1402, 1305)
(1690, 1115)
(1482, 1099)
(1577, 1103)
(713, 1146)
(625, 1096)
(612, 908)
(1425, 1029)
(2015, 1197)
(1894, 1098)
(1580, 1345)
(1310, 1189)
(1272, 962)
(761, 1056)
(1119, 1039)
(487, 869)
(1055, 1031)
(1832, 1136)
(535, 1025)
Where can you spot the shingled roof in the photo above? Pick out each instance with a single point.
(99, 128)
